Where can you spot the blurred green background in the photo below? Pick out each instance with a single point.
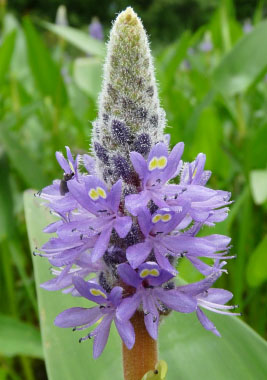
(211, 66)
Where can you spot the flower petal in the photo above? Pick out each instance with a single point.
(101, 244)
(176, 300)
(128, 306)
(128, 275)
(78, 316)
(123, 225)
(136, 254)
(126, 331)
(101, 336)
(206, 323)
(90, 290)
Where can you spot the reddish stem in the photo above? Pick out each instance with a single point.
(144, 355)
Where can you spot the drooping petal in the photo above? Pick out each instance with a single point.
(126, 331)
(206, 323)
(173, 161)
(101, 334)
(101, 244)
(78, 316)
(151, 315)
(136, 254)
(219, 296)
(128, 307)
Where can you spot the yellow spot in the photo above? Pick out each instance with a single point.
(195, 172)
(162, 162)
(166, 217)
(156, 218)
(93, 194)
(157, 163)
(71, 166)
(96, 193)
(153, 164)
(149, 272)
(101, 192)
(98, 292)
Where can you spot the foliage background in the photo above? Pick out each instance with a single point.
(215, 99)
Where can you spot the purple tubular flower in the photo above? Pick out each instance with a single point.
(147, 282)
(154, 173)
(93, 196)
(85, 318)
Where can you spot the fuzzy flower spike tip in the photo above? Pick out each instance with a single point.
(128, 213)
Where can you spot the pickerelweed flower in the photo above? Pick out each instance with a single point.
(127, 215)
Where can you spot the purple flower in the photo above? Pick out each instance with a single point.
(210, 299)
(87, 317)
(157, 228)
(154, 173)
(96, 30)
(104, 213)
(151, 295)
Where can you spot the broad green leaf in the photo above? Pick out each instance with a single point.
(87, 73)
(190, 351)
(258, 183)
(77, 38)
(6, 51)
(257, 264)
(46, 72)
(239, 68)
(19, 338)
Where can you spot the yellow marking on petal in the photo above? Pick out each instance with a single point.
(99, 321)
(156, 218)
(101, 192)
(149, 272)
(93, 194)
(71, 166)
(157, 163)
(166, 217)
(195, 172)
(144, 273)
(154, 272)
(98, 292)
(153, 164)
(162, 162)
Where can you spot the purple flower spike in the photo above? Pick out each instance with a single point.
(130, 213)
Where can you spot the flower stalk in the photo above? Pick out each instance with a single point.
(143, 356)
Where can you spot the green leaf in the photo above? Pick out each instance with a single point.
(19, 156)
(190, 351)
(6, 51)
(244, 63)
(46, 72)
(258, 183)
(77, 38)
(87, 73)
(19, 338)
(257, 265)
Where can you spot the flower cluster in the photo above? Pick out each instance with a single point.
(128, 216)
(131, 245)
